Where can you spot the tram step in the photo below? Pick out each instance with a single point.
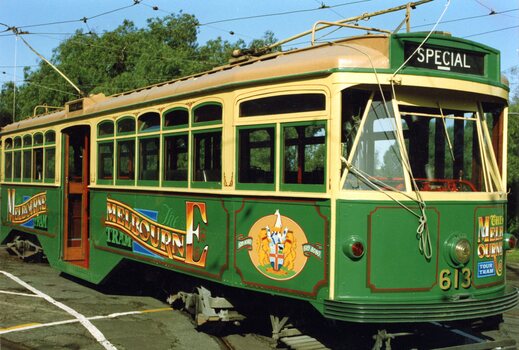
(302, 342)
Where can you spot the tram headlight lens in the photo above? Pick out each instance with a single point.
(461, 251)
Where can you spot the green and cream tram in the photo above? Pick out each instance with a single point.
(366, 176)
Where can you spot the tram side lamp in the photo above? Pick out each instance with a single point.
(353, 248)
(510, 241)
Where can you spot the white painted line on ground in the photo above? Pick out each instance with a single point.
(81, 318)
(57, 323)
(20, 294)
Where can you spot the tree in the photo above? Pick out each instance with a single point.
(120, 60)
(513, 159)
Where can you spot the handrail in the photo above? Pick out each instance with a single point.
(351, 19)
(329, 24)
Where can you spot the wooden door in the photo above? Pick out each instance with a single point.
(76, 195)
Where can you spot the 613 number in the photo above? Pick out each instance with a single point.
(461, 277)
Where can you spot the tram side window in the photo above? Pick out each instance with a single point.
(208, 112)
(37, 166)
(17, 163)
(207, 157)
(50, 156)
(176, 117)
(149, 159)
(8, 161)
(304, 154)
(149, 122)
(105, 163)
(105, 129)
(126, 125)
(256, 155)
(282, 104)
(37, 158)
(126, 160)
(176, 157)
(50, 163)
(27, 158)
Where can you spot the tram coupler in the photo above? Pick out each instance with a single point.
(25, 249)
(206, 308)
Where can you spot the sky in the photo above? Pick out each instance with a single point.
(492, 22)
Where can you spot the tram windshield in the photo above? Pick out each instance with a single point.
(445, 148)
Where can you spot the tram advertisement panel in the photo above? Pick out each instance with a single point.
(282, 246)
(30, 209)
(488, 235)
(176, 232)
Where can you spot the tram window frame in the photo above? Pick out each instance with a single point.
(169, 123)
(102, 131)
(141, 178)
(103, 177)
(38, 139)
(17, 165)
(121, 121)
(8, 154)
(211, 120)
(148, 122)
(241, 146)
(306, 187)
(130, 179)
(17, 143)
(50, 166)
(27, 159)
(37, 164)
(181, 181)
(49, 157)
(8, 144)
(287, 103)
(210, 184)
(50, 137)
(37, 157)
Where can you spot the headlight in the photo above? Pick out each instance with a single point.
(462, 251)
(457, 250)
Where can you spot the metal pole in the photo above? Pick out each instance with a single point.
(81, 93)
(351, 19)
(14, 77)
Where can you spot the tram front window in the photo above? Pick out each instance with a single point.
(376, 161)
(443, 148)
(423, 146)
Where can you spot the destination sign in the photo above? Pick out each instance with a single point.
(445, 59)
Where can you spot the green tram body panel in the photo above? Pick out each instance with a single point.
(226, 239)
(394, 282)
(223, 239)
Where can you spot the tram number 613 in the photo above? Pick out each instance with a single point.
(449, 279)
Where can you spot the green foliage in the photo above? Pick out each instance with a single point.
(120, 60)
(513, 161)
(6, 103)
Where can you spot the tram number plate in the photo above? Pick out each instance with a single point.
(455, 278)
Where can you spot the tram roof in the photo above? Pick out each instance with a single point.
(357, 52)
(364, 52)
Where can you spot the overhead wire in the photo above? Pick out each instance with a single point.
(283, 13)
